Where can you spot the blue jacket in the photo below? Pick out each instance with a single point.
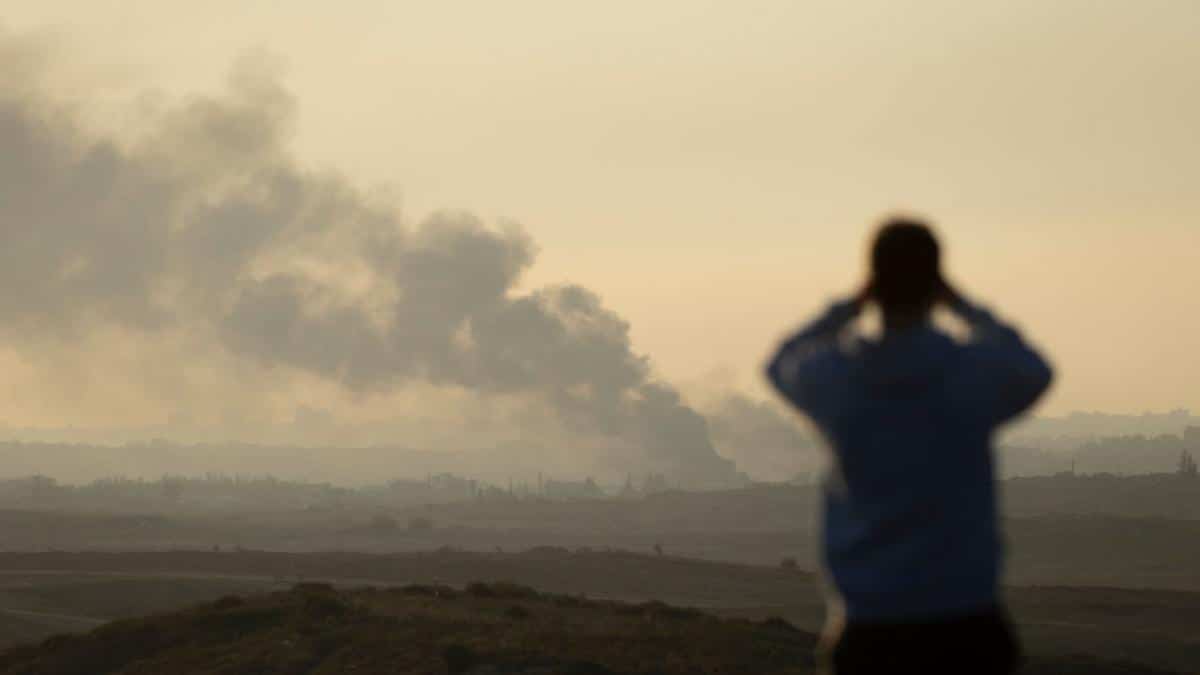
(910, 525)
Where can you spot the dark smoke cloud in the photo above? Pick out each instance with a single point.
(765, 440)
(205, 226)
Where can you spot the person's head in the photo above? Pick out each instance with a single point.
(906, 276)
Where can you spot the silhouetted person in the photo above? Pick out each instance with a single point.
(911, 542)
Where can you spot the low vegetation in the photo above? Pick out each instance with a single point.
(484, 628)
(505, 627)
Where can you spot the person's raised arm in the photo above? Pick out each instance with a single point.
(1012, 373)
(804, 366)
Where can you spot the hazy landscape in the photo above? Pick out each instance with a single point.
(1102, 568)
(1102, 522)
(381, 337)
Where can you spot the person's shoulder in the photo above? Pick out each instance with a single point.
(940, 337)
(852, 348)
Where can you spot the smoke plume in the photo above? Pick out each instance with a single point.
(203, 230)
(764, 440)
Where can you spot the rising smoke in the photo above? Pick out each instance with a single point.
(764, 438)
(204, 229)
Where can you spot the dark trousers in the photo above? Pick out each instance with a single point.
(975, 644)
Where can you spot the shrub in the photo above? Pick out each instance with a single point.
(319, 587)
(229, 602)
(779, 624)
(570, 601)
(662, 609)
(325, 606)
(549, 550)
(429, 590)
(517, 612)
(239, 621)
(459, 658)
(501, 589)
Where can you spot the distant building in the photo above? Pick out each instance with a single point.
(655, 482)
(566, 489)
(452, 485)
(1191, 436)
(628, 490)
(1187, 464)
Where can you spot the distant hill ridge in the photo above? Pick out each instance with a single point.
(1093, 425)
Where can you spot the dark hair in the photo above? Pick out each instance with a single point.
(905, 265)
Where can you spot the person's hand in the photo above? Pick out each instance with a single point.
(864, 295)
(950, 296)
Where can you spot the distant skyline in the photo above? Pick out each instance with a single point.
(711, 170)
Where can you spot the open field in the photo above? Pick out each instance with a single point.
(1107, 588)
(746, 528)
(1155, 629)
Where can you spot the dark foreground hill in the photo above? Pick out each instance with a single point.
(487, 628)
(482, 629)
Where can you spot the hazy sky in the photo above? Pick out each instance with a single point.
(711, 168)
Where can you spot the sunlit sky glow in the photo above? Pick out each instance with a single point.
(712, 168)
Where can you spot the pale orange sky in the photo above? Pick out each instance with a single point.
(712, 168)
